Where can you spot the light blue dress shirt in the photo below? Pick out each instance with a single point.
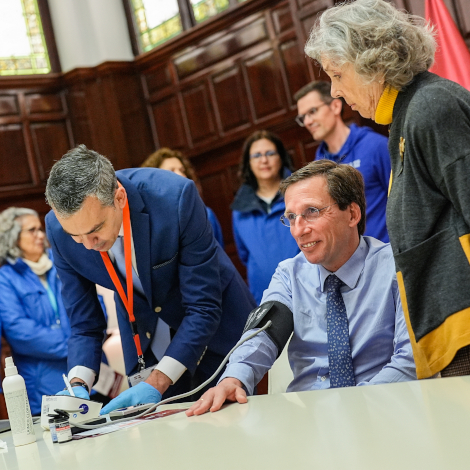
(380, 345)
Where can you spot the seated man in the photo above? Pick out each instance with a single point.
(339, 296)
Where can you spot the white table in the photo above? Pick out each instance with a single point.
(413, 425)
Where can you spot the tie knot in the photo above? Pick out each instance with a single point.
(333, 283)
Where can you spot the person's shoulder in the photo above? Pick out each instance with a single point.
(368, 134)
(379, 250)
(153, 182)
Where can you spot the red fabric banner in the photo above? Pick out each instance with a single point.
(452, 55)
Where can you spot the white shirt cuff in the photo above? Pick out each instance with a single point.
(84, 373)
(171, 368)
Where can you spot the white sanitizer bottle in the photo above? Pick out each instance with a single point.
(19, 412)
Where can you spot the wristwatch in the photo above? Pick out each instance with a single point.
(80, 384)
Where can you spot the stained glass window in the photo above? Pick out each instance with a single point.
(204, 9)
(157, 21)
(23, 48)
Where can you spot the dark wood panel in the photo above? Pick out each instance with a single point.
(199, 113)
(294, 65)
(265, 84)
(43, 103)
(282, 19)
(158, 78)
(14, 166)
(79, 119)
(8, 105)
(169, 123)
(134, 121)
(220, 46)
(231, 99)
(51, 141)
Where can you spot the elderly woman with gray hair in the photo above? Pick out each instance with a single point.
(378, 59)
(32, 315)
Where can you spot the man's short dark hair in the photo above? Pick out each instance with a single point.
(322, 87)
(345, 185)
(80, 173)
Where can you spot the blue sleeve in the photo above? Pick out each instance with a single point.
(216, 228)
(401, 367)
(87, 319)
(24, 333)
(382, 162)
(250, 361)
(242, 251)
(199, 279)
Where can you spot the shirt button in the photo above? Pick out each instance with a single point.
(158, 309)
(148, 334)
(323, 379)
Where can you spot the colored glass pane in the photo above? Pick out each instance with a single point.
(22, 45)
(157, 21)
(204, 9)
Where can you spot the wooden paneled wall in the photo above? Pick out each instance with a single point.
(203, 93)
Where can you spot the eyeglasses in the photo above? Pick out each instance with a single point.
(310, 215)
(34, 231)
(267, 154)
(301, 117)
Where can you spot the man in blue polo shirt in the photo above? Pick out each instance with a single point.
(359, 147)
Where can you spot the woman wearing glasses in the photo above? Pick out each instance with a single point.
(262, 241)
(32, 315)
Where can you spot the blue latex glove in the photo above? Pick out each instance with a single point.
(139, 394)
(80, 392)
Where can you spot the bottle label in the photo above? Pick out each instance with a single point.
(19, 412)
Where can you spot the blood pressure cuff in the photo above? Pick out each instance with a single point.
(282, 320)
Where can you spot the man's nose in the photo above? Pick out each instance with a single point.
(88, 241)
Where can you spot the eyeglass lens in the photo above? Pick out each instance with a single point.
(268, 153)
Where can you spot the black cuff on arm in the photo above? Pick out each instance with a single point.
(282, 320)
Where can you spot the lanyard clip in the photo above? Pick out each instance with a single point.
(141, 363)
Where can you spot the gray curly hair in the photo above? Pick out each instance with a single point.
(10, 229)
(80, 173)
(376, 38)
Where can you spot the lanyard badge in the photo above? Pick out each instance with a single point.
(128, 300)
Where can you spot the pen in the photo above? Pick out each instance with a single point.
(67, 384)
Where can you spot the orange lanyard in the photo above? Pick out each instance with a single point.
(128, 300)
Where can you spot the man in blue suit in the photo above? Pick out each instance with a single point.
(189, 302)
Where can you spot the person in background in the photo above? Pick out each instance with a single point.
(260, 239)
(360, 147)
(32, 315)
(173, 160)
(383, 74)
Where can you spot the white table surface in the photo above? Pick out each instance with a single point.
(413, 425)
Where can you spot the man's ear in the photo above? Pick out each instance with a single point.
(355, 214)
(336, 106)
(120, 196)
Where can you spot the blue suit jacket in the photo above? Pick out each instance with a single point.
(186, 276)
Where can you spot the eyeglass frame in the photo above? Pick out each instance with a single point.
(300, 118)
(316, 211)
(272, 153)
(33, 230)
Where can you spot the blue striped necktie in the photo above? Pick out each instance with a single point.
(337, 327)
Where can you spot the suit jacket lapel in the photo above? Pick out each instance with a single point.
(140, 222)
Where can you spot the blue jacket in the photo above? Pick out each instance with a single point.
(216, 228)
(38, 344)
(187, 278)
(367, 151)
(261, 239)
